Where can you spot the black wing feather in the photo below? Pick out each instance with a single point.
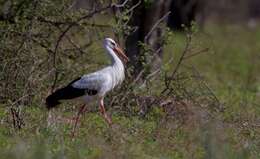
(68, 92)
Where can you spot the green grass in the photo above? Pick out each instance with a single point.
(231, 68)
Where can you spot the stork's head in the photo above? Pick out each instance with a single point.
(110, 43)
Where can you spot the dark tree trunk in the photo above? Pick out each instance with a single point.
(183, 13)
(144, 19)
(254, 8)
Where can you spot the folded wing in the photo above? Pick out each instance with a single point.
(86, 85)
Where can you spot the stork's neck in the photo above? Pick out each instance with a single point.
(115, 60)
(117, 68)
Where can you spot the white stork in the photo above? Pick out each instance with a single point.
(96, 85)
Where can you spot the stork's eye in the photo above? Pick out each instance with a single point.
(113, 44)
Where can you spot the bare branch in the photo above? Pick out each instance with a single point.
(133, 7)
(120, 5)
(197, 53)
(168, 80)
(185, 51)
(156, 25)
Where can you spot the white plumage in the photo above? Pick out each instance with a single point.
(94, 85)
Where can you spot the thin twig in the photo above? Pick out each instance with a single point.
(155, 25)
(168, 80)
(197, 53)
(185, 51)
(120, 5)
(133, 7)
(220, 108)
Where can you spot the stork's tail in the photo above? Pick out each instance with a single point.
(68, 92)
(52, 101)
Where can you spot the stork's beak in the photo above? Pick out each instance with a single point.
(121, 54)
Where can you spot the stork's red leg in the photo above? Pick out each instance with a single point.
(103, 112)
(82, 109)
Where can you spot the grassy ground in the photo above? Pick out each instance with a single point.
(230, 67)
